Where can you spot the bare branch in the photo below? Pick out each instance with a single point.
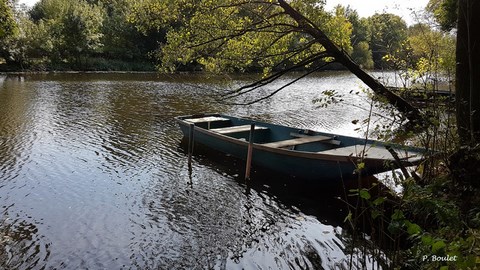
(284, 86)
(262, 82)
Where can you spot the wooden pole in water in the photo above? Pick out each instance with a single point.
(190, 143)
(249, 152)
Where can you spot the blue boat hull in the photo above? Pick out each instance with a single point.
(306, 161)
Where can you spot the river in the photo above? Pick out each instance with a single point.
(93, 176)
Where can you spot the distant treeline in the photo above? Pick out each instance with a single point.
(131, 35)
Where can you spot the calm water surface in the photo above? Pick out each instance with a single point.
(92, 175)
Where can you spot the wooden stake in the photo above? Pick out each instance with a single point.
(190, 143)
(249, 153)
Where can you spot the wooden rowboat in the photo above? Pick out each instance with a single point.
(297, 152)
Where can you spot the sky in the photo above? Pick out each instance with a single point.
(28, 2)
(364, 8)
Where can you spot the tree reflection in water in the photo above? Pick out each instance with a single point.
(21, 246)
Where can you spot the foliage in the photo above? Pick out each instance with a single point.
(103, 64)
(61, 34)
(425, 58)
(118, 35)
(63, 30)
(433, 46)
(361, 38)
(81, 25)
(363, 55)
(445, 13)
(7, 21)
(121, 37)
(148, 15)
(328, 98)
(438, 210)
(230, 36)
(246, 36)
(8, 30)
(389, 32)
(361, 27)
(15, 48)
(429, 217)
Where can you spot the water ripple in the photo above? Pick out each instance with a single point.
(93, 175)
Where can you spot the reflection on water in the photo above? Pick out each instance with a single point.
(21, 245)
(92, 175)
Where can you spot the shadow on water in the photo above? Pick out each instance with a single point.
(277, 222)
(323, 200)
(328, 203)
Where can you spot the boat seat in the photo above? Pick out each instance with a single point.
(207, 119)
(372, 152)
(331, 141)
(236, 129)
(297, 141)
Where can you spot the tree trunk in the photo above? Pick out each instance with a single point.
(465, 163)
(468, 72)
(410, 112)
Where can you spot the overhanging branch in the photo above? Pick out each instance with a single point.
(281, 88)
(269, 79)
(408, 110)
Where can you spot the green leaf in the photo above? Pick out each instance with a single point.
(375, 213)
(364, 194)
(438, 246)
(427, 240)
(398, 215)
(413, 229)
(348, 217)
(360, 166)
(379, 201)
(394, 227)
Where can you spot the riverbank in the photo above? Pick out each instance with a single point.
(97, 64)
(116, 65)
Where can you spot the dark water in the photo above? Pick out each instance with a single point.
(92, 175)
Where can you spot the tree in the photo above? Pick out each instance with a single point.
(468, 72)
(15, 48)
(363, 55)
(7, 21)
(274, 35)
(445, 12)
(73, 29)
(8, 30)
(431, 50)
(463, 14)
(81, 31)
(121, 39)
(239, 36)
(360, 38)
(388, 32)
